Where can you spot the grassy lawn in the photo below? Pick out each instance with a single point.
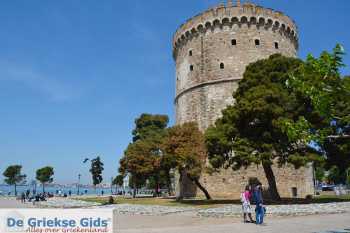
(201, 203)
(332, 198)
(160, 201)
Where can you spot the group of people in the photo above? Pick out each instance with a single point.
(253, 194)
(34, 197)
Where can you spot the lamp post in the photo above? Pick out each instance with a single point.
(111, 185)
(79, 175)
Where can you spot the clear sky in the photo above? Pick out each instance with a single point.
(75, 74)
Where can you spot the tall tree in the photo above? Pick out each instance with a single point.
(319, 81)
(185, 143)
(142, 158)
(252, 131)
(14, 176)
(96, 171)
(44, 175)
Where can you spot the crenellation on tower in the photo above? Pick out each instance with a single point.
(247, 10)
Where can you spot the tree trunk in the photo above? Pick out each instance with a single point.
(156, 186)
(43, 187)
(134, 191)
(15, 189)
(180, 195)
(168, 181)
(199, 185)
(272, 182)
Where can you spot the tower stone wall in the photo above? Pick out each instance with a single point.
(211, 51)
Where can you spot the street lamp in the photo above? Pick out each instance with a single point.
(79, 184)
(111, 185)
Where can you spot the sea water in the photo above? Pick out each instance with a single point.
(6, 189)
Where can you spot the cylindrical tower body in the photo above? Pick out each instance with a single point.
(211, 51)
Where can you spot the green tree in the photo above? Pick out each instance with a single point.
(253, 130)
(139, 160)
(96, 171)
(14, 176)
(44, 175)
(185, 143)
(319, 81)
(142, 158)
(118, 181)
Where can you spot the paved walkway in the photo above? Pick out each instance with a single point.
(170, 224)
(187, 221)
(11, 202)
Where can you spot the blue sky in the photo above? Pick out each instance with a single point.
(75, 74)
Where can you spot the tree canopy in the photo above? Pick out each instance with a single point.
(143, 157)
(286, 111)
(44, 175)
(14, 176)
(96, 170)
(149, 126)
(253, 130)
(320, 81)
(186, 146)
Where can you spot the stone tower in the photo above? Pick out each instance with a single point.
(211, 51)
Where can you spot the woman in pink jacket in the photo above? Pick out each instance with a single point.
(247, 209)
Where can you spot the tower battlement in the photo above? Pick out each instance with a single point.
(230, 15)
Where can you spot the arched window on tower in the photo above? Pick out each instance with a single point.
(191, 67)
(234, 42)
(222, 66)
(276, 45)
(257, 42)
(190, 53)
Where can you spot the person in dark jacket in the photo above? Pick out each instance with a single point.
(259, 205)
